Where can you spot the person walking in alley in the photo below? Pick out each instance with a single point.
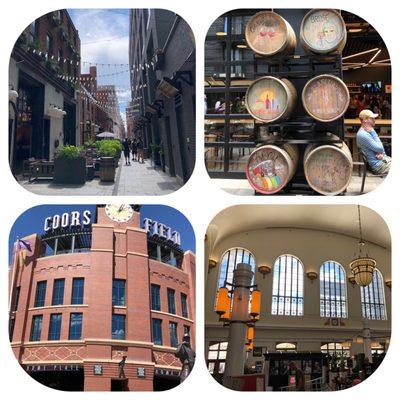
(134, 150)
(126, 148)
(140, 150)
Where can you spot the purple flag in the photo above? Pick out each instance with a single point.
(23, 244)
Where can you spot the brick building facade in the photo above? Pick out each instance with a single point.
(162, 62)
(43, 65)
(88, 295)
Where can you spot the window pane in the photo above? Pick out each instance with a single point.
(118, 327)
(333, 292)
(157, 331)
(77, 290)
(288, 287)
(36, 328)
(58, 292)
(75, 326)
(171, 301)
(229, 261)
(184, 305)
(55, 326)
(373, 303)
(118, 292)
(173, 334)
(155, 298)
(40, 293)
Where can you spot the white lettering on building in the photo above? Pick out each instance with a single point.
(155, 228)
(67, 220)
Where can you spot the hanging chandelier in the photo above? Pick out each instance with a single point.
(363, 266)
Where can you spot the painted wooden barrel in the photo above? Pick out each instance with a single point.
(323, 31)
(267, 33)
(271, 167)
(325, 98)
(328, 167)
(269, 99)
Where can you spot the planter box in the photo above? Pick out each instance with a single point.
(70, 171)
(107, 169)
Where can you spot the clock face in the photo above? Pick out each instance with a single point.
(119, 212)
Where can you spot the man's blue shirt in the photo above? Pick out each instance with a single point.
(370, 144)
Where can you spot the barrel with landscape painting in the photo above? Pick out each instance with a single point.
(328, 168)
(267, 34)
(323, 31)
(270, 99)
(325, 98)
(271, 167)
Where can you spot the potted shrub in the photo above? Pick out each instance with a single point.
(70, 166)
(107, 163)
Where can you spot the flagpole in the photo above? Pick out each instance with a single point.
(14, 267)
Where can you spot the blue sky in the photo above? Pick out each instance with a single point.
(104, 35)
(32, 220)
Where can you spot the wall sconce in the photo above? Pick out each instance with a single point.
(389, 284)
(212, 263)
(352, 280)
(312, 275)
(264, 270)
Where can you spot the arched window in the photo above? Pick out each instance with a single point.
(229, 261)
(333, 294)
(286, 347)
(373, 303)
(216, 357)
(288, 286)
(335, 349)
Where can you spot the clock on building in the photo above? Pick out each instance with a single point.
(119, 212)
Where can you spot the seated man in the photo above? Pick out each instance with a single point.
(370, 145)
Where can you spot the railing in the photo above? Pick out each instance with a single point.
(313, 385)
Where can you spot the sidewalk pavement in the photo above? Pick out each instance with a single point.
(130, 180)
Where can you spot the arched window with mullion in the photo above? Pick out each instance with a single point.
(288, 286)
(373, 304)
(333, 292)
(229, 261)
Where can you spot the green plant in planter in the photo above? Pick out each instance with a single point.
(70, 166)
(107, 149)
(70, 151)
(90, 143)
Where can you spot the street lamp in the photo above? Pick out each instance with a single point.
(239, 308)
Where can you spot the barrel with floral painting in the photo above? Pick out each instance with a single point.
(267, 34)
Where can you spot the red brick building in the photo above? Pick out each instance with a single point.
(89, 293)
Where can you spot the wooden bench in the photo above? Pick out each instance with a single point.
(41, 169)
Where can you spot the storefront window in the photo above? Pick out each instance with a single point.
(333, 295)
(373, 303)
(288, 286)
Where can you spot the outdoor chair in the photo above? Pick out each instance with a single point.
(41, 169)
